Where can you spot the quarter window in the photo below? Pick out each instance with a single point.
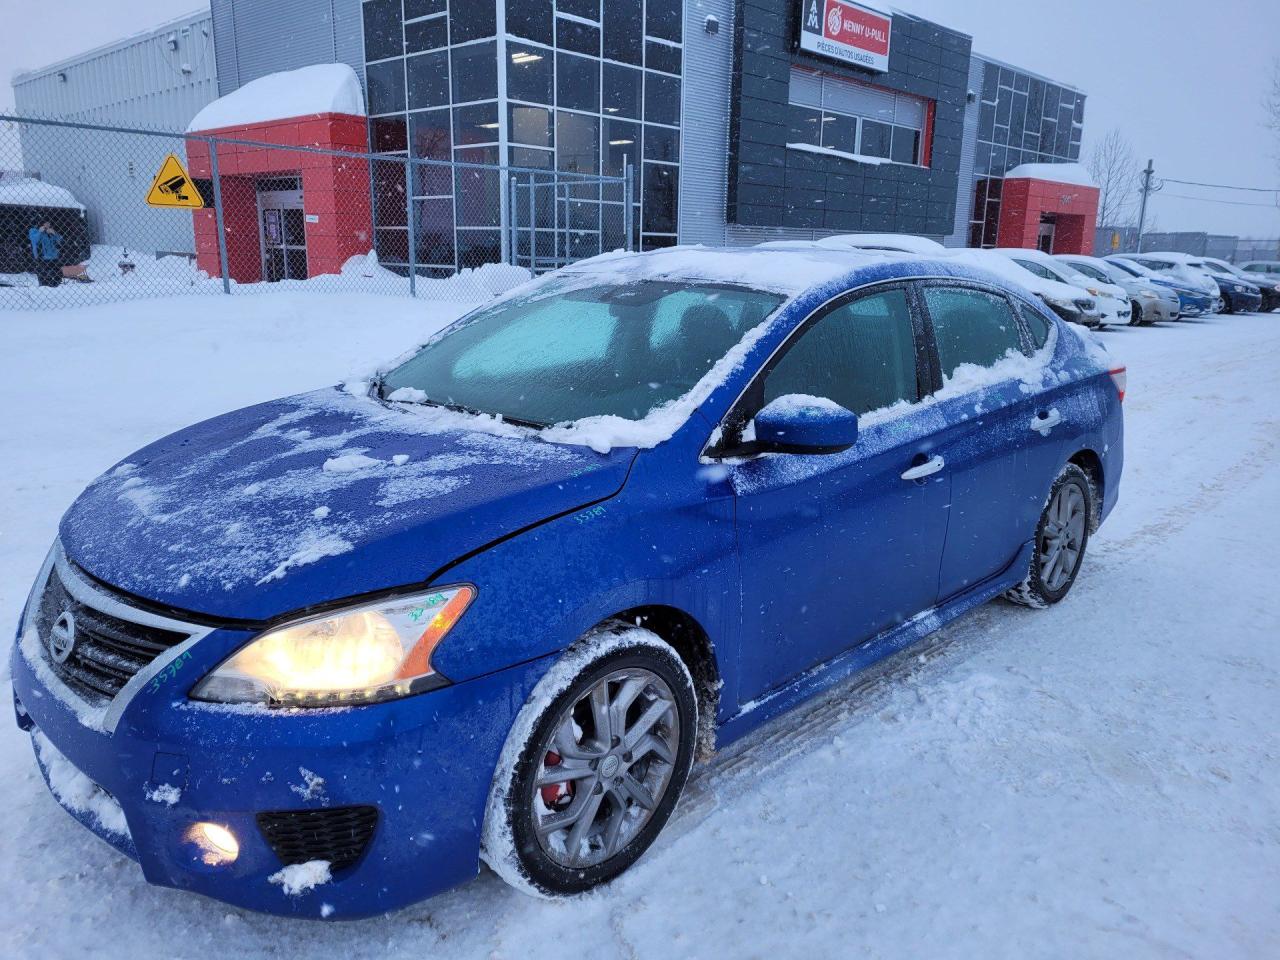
(970, 327)
(1037, 325)
(861, 355)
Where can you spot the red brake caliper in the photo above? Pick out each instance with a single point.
(556, 795)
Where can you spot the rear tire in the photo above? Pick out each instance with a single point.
(617, 718)
(1061, 538)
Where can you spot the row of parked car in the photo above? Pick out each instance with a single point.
(1135, 289)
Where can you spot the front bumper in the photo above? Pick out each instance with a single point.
(1154, 311)
(1243, 302)
(426, 763)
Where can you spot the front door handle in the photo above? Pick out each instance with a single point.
(926, 469)
(1045, 421)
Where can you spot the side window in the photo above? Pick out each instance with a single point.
(1089, 270)
(862, 355)
(1039, 269)
(1037, 325)
(971, 326)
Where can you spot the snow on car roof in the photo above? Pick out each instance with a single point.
(30, 192)
(904, 242)
(320, 88)
(788, 268)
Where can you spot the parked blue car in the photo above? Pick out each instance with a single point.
(1193, 302)
(323, 655)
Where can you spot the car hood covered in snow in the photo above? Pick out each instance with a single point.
(313, 498)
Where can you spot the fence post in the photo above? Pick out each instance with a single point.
(413, 227)
(628, 210)
(533, 224)
(513, 219)
(217, 213)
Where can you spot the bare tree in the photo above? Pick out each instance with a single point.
(1272, 100)
(1115, 170)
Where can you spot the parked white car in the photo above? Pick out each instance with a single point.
(1072, 303)
(1148, 302)
(1113, 301)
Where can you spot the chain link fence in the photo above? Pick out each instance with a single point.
(92, 214)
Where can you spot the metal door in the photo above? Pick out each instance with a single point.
(282, 227)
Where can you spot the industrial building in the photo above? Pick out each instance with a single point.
(743, 120)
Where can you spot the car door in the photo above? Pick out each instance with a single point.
(1002, 442)
(836, 548)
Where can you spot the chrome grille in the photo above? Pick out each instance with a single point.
(106, 651)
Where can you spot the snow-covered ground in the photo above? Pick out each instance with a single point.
(1099, 780)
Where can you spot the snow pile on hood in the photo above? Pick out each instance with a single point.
(1072, 173)
(321, 88)
(30, 192)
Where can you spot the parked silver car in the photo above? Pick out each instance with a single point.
(1148, 302)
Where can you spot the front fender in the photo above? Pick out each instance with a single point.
(667, 543)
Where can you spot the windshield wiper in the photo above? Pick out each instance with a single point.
(460, 408)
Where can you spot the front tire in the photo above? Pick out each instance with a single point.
(594, 764)
(1061, 538)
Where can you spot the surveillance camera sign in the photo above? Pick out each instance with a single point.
(846, 31)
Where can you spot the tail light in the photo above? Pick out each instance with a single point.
(1120, 377)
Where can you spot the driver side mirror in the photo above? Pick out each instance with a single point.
(804, 425)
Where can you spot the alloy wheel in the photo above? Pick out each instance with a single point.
(1062, 538)
(605, 767)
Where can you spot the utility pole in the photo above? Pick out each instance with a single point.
(1147, 177)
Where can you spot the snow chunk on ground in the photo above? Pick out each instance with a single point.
(299, 878)
(321, 88)
(30, 192)
(76, 791)
(1072, 173)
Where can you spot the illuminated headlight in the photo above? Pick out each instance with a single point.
(365, 654)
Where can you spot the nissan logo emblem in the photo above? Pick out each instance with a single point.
(62, 638)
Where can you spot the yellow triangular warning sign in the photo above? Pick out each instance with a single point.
(172, 187)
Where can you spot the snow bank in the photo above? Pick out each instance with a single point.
(1072, 173)
(30, 192)
(321, 88)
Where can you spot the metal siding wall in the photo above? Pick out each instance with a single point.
(704, 147)
(138, 82)
(258, 37)
(968, 149)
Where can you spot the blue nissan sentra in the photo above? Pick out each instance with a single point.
(325, 655)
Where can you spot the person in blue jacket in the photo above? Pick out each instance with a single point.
(46, 251)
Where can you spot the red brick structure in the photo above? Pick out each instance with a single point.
(335, 191)
(1026, 201)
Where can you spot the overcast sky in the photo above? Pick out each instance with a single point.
(1182, 78)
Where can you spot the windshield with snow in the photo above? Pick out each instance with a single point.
(549, 358)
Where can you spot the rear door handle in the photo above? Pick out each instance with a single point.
(1045, 421)
(926, 469)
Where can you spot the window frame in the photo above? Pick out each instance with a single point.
(1029, 348)
(750, 400)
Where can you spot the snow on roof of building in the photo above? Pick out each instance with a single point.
(30, 192)
(321, 88)
(1072, 173)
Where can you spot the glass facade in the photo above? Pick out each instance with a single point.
(1021, 119)
(574, 86)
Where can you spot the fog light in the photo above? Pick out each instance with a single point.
(217, 844)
